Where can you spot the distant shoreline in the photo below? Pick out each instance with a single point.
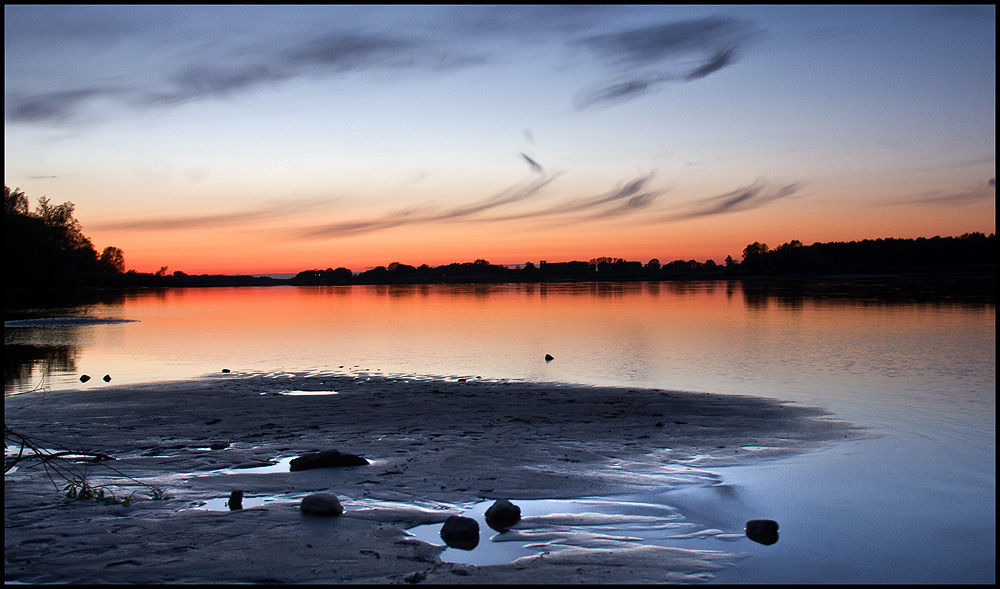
(979, 284)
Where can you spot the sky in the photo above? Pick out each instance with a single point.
(274, 139)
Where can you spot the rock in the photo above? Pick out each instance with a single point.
(460, 532)
(502, 515)
(235, 500)
(548, 358)
(764, 531)
(84, 378)
(107, 378)
(322, 504)
(325, 459)
(218, 445)
(225, 370)
(415, 577)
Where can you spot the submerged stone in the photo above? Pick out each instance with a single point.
(763, 531)
(460, 532)
(322, 504)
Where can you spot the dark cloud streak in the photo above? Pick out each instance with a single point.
(634, 200)
(643, 59)
(428, 215)
(58, 106)
(640, 59)
(742, 199)
(535, 166)
(269, 212)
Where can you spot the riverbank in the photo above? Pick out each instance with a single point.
(434, 447)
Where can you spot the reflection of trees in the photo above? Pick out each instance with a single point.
(942, 290)
(21, 361)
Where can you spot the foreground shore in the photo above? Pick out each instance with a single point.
(435, 447)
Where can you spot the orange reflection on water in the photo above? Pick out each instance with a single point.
(720, 336)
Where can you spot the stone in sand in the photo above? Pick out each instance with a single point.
(325, 459)
(502, 515)
(322, 504)
(460, 532)
(107, 378)
(764, 531)
(235, 500)
(548, 358)
(85, 378)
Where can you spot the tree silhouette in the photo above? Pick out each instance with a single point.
(113, 260)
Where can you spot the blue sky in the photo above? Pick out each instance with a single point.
(277, 138)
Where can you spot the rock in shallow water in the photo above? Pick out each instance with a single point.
(322, 504)
(460, 532)
(325, 459)
(764, 531)
(502, 515)
(235, 500)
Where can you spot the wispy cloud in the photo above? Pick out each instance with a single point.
(627, 199)
(535, 166)
(428, 214)
(629, 190)
(984, 191)
(271, 213)
(227, 67)
(226, 64)
(744, 198)
(642, 59)
(54, 107)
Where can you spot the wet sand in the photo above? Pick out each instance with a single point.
(435, 446)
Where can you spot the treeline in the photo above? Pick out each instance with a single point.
(45, 250)
(972, 253)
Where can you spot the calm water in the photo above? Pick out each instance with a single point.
(915, 504)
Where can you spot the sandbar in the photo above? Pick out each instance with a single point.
(435, 445)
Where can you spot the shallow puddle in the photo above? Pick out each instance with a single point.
(222, 503)
(601, 522)
(298, 393)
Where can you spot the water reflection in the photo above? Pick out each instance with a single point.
(653, 333)
(24, 364)
(976, 292)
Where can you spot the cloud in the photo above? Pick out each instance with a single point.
(535, 166)
(642, 59)
(742, 199)
(720, 60)
(58, 106)
(627, 199)
(227, 67)
(576, 208)
(427, 214)
(269, 212)
(966, 195)
(191, 57)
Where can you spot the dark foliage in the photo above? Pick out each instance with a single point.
(45, 248)
(969, 254)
